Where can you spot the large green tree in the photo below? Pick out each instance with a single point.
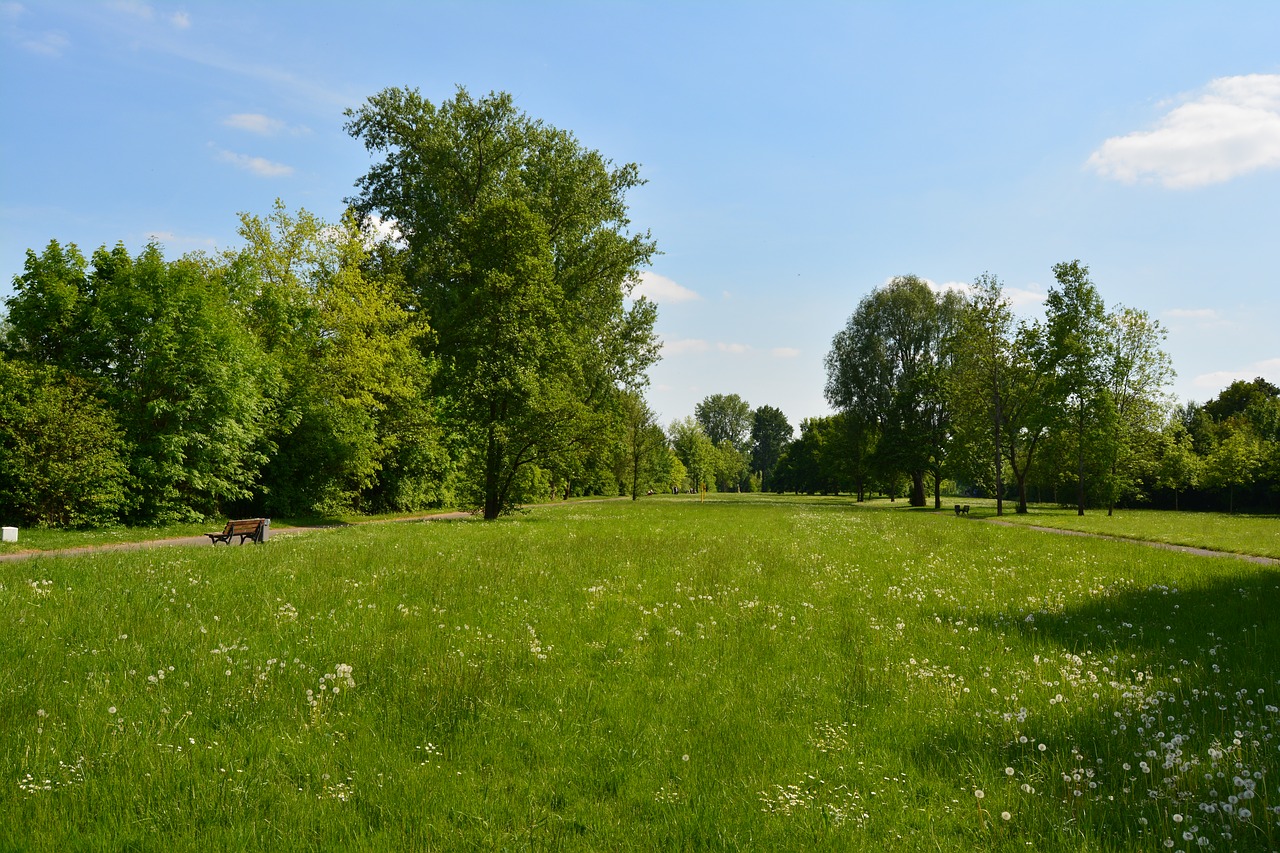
(725, 417)
(1076, 330)
(519, 251)
(888, 366)
(770, 434)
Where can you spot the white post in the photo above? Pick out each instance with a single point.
(8, 534)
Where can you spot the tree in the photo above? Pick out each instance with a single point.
(770, 433)
(62, 456)
(1137, 371)
(1236, 461)
(1077, 337)
(518, 251)
(644, 448)
(695, 451)
(725, 417)
(978, 386)
(732, 468)
(1178, 468)
(161, 344)
(348, 355)
(888, 365)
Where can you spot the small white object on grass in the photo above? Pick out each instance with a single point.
(8, 534)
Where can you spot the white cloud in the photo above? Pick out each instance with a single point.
(1192, 313)
(660, 289)
(962, 287)
(50, 44)
(1021, 298)
(784, 352)
(684, 345)
(263, 125)
(254, 123)
(259, 166)
(134, 8)
(181, 20)
(170, 239)
(1230, 128)
(733, 349)
(12, 11)
(1268, 369)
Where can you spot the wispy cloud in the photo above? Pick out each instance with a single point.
(681, 346)
(1230, 128)
(172, 240)
(1268, 369)
(52, 44)
(784, 352)
(662, 290)
(263, 125)
(1192, 313)
(254, 123)
(147, 12)
(1020, 298)
(733, 349)
(259, 166)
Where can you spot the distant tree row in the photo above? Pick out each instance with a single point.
(1072, 407)
(482, 355)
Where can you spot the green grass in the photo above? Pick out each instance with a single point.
(1238, 533)
(741, 674)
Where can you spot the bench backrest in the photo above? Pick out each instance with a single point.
(246, 525)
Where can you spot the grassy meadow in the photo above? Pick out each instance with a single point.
(747, 673)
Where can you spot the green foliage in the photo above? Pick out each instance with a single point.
(160, 343)
(517, 248)
(770, 434)
(696, 453)
(349, 359)
(887, 366)
(62, 456)
(725, 417)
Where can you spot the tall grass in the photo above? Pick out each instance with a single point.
(735, 674)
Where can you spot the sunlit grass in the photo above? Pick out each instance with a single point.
(1239, 533)
(758, 673)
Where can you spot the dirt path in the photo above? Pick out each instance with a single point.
(197, 541)
(204, 541)
(1186, 549)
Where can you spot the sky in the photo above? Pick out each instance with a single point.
(797, 156)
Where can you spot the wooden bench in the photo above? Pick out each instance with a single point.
(962, 510)
(245, 528)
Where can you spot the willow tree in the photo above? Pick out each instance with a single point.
(519, 251)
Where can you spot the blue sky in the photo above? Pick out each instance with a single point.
(797, 156)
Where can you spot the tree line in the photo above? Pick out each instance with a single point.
(481, 352)
(1071, 407)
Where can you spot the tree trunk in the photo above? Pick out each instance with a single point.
(492, 501)
(1080, 463)
(937, 492)
(917, 488)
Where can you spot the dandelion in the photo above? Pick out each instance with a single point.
(979, 794)
(111, 710)
(1006, 816)
(684, 757)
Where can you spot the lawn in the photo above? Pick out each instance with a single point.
(742, 674)
(1239, 533)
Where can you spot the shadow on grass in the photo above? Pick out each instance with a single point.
(1144, 703)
